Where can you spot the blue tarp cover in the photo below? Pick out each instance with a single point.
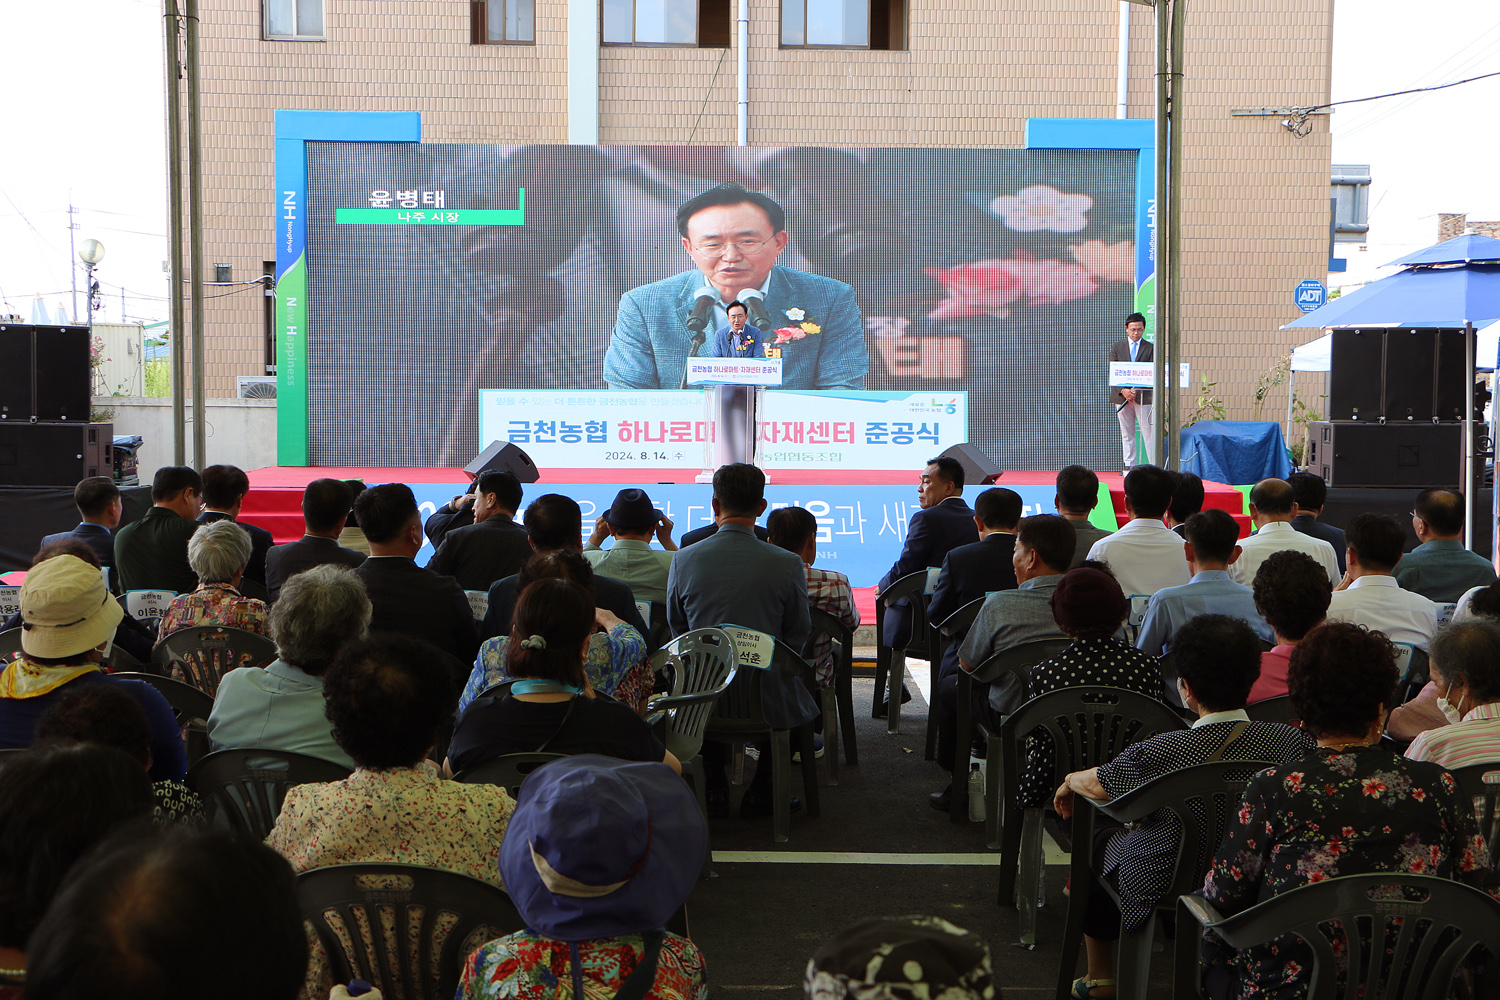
(1237, 452)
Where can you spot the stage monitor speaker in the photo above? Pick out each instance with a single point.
(1356, 453)
(978, 469)
(44, 373)
(1399, 376)
(54, 454)
(502, 456)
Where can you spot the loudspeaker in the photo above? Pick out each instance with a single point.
(1405, 376)
(502, 456)
(979, 470)
(1356, 453)
(54, 454)
(44, 373)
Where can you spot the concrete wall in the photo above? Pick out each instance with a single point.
(240, 432)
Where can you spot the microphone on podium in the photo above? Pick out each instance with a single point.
(702, 312)
(755, 304)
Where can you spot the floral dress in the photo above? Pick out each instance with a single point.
(616, 666)
(527, 966)
(1334, 812)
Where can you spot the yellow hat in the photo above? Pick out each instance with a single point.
(66, 609)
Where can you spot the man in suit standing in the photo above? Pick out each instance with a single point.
(151, 553)
(734, 237)
(971, 571)
(737, 338)
(100, 507)
(494, 546)
(224, 490)
(1133, 406)
(405, 597)
(325, 508)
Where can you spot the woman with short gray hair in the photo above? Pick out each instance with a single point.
(218, 552)
(318, 613)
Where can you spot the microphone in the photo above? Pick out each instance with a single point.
(756, 304)
(702, 312)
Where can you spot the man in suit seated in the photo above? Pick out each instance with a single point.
(1311, 493)
(971, 571)
(224, 490)
(733, 237)
(494, 546)
(325, 508)
(151, 553)
(1187, 500)
(405, 597)
(100, 508)
(1441, 568)
(1077, 496)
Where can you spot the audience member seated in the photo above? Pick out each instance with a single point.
(407, 598)
(708, 530)
(494, 546)
(353, 536)
(943, 523)
(217, 552)
(325, 509)
(632, 521)
(554, 523)
(600, 855)
(1187, 500)
(172, 917)
(733, 578)
(1089, 608)
(55, 805)
(1144, 555)
(1044, 544)
(796, 530)
(1292, 594)
(67, 619)
(1348, 808)
(1465, 664)
(1217, 658)
(282, 707)
(1311, 493)
(130, 635)
(1271, 511)
(901, 958)
(1441, 568)
(151, 553)
(551, 708)
(616, 664)
(100, 508)
(1422, 712)
(1077, 496)
(1369, 596)
(101, 714)
(224, 490)
(971, 571)
(1211, 547)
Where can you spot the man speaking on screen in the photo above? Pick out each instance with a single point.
(734, 236)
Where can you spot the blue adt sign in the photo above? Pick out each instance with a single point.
(1310, 295)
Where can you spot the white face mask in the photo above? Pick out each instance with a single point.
(1450, 712)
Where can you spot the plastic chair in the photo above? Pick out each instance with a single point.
(1202, 797)
(202, 655)
(1440, 922)
(1480, 785)
(10, 644)
(1274, 710)
(506, 771)
(1100, 722)
(890, 664)
(250, 588)
(404, 929)
(189, 704)
(1137, 617)
(245, 787)
(838, 697)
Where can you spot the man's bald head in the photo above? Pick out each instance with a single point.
(1443, 512)
(1273, 500)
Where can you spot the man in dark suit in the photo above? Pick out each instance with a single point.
(555, 522)
(325, 508)
(405, 597)
(1133, 406)
(151, 553)
(1077, 496)
(708, 530)
(100, 507)
(943, 524)
(494, 546)
(224, 489)
(1311, 493)
(971, 571)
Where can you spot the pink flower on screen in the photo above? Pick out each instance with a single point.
(787, 334)
(1106, 261)
(988, 287)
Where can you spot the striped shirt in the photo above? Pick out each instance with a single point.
(1475, 740)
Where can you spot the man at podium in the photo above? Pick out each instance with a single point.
(737, 338)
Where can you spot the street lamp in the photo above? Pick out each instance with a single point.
(91, 253)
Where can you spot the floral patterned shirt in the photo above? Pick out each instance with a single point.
(215, 604)
(527, 966)
(616, 666)
(1333, 813)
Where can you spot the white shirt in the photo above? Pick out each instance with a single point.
(1145, 556)
(1278, 536)
(1378, 602)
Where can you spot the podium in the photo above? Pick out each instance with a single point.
(734, 393)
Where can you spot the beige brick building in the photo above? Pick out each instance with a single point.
(1255, 198)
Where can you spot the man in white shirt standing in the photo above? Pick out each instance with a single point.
(1272, 507)
(1369, 594)
(1144, 555)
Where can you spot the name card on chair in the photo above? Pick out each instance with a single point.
(479, 603)
(10, 601)
(148, 603)
(753, 649)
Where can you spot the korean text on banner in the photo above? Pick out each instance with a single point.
(1134, 375)
(734, 371)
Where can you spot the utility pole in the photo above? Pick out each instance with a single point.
(174, 212)
(195, 233)
(73, 256)
(1169, 16)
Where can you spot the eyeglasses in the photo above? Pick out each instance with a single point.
(748, 247)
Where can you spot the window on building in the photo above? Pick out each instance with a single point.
(702, 23)
(843, 24)
(287, 20)
(502, 22)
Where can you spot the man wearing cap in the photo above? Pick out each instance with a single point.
(67, 621)
(632, 520)
(494, 546)
(151, 553)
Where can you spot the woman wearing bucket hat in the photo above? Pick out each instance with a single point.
(67, 619)
(598, 856)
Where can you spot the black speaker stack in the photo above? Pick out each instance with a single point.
(46, 438)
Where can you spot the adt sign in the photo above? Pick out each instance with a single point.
(1310, 295)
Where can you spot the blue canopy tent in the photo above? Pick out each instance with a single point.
(1452, 284)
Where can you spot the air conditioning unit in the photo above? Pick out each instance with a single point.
(256, 387)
